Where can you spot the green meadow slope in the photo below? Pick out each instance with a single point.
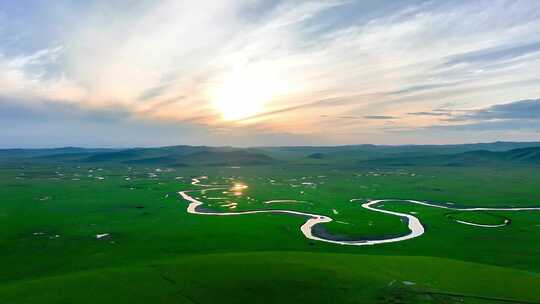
(54, 207)
(284, 277)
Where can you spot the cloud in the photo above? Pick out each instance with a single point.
(513, 116)
(495, 54)
(489, 126)
(434, 113)
(517, 110)
(422, 87)
(19, 111)
(379, 117)
(51, 124)
(166, 61)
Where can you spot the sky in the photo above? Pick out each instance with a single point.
(266, 73)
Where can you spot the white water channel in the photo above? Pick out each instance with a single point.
(416, 228)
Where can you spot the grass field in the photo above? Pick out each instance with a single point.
(156, 252)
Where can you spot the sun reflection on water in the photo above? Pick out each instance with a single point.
(237, 188)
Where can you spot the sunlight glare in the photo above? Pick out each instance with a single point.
(245, 93)
(237, 189)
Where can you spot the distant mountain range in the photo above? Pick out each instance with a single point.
(523, 156)
(366, 152)
(175, 156)
(362, 155)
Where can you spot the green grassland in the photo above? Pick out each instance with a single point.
(51, 212)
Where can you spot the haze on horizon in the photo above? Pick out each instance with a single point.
(252, 73)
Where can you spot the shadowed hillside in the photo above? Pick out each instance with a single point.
(180, 156)
(523, 156)
(176, 156)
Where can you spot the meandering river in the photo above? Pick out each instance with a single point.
(416, 228)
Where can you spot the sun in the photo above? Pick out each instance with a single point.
(243, 94)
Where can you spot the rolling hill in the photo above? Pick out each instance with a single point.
(365, 152)
(174, 156)
(180, 156)
(523, 156)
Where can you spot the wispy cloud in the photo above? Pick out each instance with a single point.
(495, 54)
(382, 117)
(434, 113)
(517, 110)
(512, 116)
(376, 62)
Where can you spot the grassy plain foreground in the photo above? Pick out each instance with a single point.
(155, 252)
